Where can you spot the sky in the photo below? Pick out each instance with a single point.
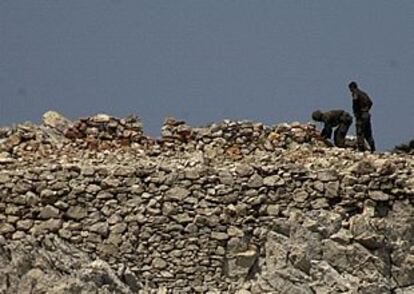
(207, 60)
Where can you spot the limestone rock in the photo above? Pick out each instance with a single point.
(76, 212)
(177, 194)
(378, 196)
(230, 207)
(56, 121)
(6, 228)
(49, 212)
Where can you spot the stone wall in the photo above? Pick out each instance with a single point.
(233, 207)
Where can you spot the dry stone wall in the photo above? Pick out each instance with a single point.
(233, 207)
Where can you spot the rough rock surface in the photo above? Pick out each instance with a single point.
(405, 148)
(95, 206)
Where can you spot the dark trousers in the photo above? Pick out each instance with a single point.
(364, 131)
(340, 134)
(342, 130)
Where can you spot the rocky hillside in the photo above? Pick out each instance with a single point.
(405, 148)
(96, 206)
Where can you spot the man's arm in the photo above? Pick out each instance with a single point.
(368, 102)
(355, 104)
(326, 132)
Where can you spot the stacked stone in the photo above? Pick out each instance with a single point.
(58, 136)
(28, 140)
(335, 222)
(279, 214)
(236, 138)
(104, 128)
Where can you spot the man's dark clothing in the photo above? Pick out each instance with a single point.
(361, 105)
(336, 118)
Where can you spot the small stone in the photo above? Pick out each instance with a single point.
(101, 228)
(242, 291)
(131, 280)
(48, 212)
(378, 196)
(6, 159)
(300, 196)
(318, 185)
(159, 263)
(255, 181)
(12, 219)
(101, 118)
(18, 235)
(22, 187)
(76, 212)
(32, 199)
(104, 195)
(24, 225)
(183, 218)
(118, 228)
(61, 205)
(273, 181)
(219, 236)
(319, 203)
(327, 175)
(235, 232)
(114, 219)
(88, 171)
(53, 225)
(273, 209)
(48, 196)
(244, 170)
(191, 228)
(56, 121)
(332, 189)
(177, 193)
(6, 228)
(65, 234)
(343, 236)
(93, 189)
(4, 178)
(192, 174)
(124, 171)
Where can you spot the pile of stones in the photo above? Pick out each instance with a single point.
(57, 136)
(103, 127)
(282, 214)
(236, 138)
(405, 148)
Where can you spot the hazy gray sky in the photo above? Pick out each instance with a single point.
(206, 60)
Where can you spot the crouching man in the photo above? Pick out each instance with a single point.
(339, 119)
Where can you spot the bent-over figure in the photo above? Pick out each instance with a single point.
(339, 119)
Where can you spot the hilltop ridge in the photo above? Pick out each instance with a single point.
(95, 205)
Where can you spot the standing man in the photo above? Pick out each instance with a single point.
(361, 105)
(339, 119)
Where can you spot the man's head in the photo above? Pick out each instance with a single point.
(352, 86)
(317, 115)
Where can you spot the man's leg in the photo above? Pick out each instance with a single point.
(340, 134)
(360, 134)
(368, 133)
(339, 139)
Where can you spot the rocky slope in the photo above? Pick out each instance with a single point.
(405, 148)
(96, 206)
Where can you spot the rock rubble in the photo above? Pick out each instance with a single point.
(405, 148)
(95, 206)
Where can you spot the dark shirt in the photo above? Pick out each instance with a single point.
(360, 103)
(333, 119)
